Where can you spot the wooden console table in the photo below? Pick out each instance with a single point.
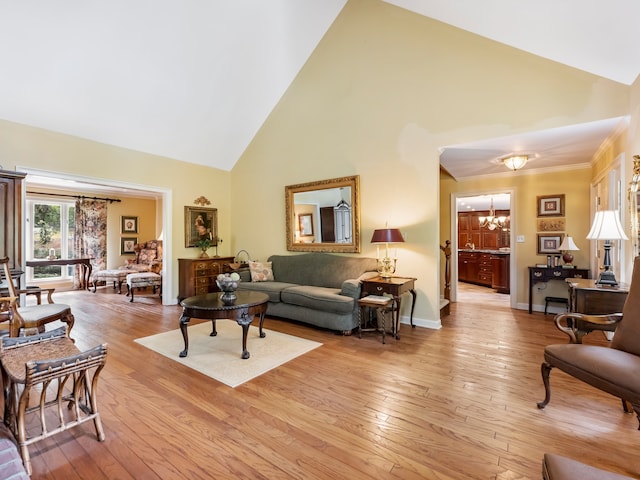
(85, 264)
(544, 274)
(396, 287)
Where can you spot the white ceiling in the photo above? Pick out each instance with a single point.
(195, 80)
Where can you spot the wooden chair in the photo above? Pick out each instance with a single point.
(55, 371)
(614, 369)
(9, 325)
(33, 318)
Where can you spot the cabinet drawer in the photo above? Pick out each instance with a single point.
(204, 281)
(202, 290)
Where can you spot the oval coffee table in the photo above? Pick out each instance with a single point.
(243, 310)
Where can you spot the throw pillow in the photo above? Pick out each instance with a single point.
(261, 271)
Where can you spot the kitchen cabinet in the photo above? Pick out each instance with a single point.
(500, 279)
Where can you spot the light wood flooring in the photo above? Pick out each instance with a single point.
(454, 403)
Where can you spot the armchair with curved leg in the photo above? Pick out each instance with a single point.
(33, 318)
(614, 369)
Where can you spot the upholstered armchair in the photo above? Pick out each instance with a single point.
(614, 369)
(148, 257)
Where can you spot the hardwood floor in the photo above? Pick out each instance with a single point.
(454, 403)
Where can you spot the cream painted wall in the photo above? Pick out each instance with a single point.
(385, 89)
(39, 149)
(574, 184)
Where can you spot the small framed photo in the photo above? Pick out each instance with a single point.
(548, 244)
(305, 221)
(551, 206)
(127, 244)
(551, 224)
(129, 224)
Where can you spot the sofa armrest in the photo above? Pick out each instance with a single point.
(351, 288)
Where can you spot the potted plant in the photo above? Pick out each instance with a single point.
(203, 244)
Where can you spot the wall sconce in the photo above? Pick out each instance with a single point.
(515, 162)
(386, 265)
(606, 226)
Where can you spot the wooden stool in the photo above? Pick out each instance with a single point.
(548, 300)
(382, 306)
(143, 280)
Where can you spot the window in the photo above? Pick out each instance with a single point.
(49, 231)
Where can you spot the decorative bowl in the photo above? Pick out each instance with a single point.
(228, 284)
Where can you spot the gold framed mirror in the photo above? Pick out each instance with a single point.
(324, 216)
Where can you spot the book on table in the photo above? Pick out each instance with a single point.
(381, 299)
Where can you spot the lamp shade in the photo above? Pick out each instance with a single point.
(606, 226)
(568, 244)
(387, 235)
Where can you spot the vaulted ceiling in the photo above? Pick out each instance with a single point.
(195, 80)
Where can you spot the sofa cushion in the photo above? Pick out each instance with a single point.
(261, 271)
(318, 298)
(272, 289)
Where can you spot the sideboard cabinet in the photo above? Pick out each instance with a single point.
(197, 276)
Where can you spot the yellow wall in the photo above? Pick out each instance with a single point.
(383, 90)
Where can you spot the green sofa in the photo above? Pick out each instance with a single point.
(316, 288)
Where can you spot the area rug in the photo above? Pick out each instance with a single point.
(219, 357)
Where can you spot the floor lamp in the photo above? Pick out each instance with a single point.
(606, 226)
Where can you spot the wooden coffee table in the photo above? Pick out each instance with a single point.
(246, 306)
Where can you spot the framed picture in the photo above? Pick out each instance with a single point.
(305, 224)
(127, 244)
(200, 222)
(551, 224)
(548, 243)
(128, 224)
(551, 206)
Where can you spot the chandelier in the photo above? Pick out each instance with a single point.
(491, 221)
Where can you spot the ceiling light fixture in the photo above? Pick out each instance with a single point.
(492, 222)
(515, 162)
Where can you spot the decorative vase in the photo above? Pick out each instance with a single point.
(204, 253)
(228, 283)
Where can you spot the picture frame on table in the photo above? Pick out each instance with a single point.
(549, 244)
(127, 245)
(200, 223)
(128, 224)
(550, 205)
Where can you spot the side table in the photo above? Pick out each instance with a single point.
(381, 304)
(396, 287)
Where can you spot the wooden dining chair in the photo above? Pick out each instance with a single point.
(33, 318)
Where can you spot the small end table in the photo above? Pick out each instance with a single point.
(396, 287)
(382, 305)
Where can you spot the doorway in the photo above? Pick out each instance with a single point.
(114, 187)
(483, 266)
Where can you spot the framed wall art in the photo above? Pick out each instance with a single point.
(305, 224)
(551, 206)
(128, 224)
(127, 244)
(549, 243)
(200, 222)
(551, 224)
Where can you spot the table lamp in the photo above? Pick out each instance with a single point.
(606, 226)
(386, 265)
(567, 246)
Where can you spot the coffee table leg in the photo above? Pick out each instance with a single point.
(245, 321)
(184, 322)
(214, 331)
(262, 334)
